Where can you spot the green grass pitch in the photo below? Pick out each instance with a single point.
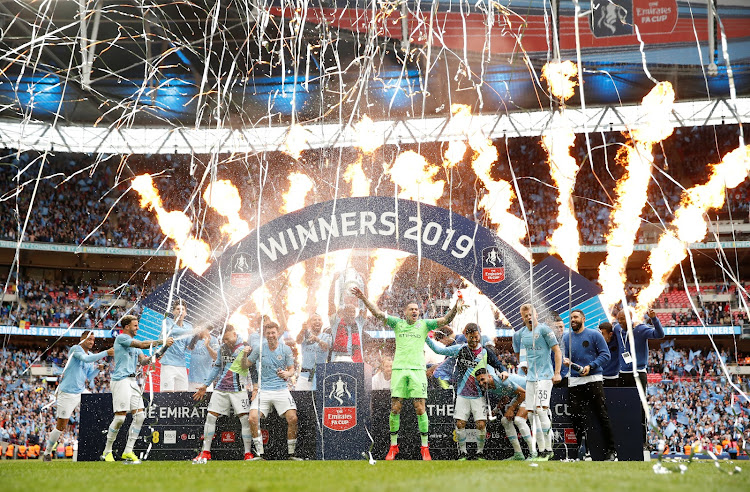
(335, 476)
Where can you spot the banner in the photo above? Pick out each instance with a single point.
(43, 331)
(173, 429)
(343, 396)
(701, 330)
(655, 16)
(616, 17)
(622, 404)
(94, 250)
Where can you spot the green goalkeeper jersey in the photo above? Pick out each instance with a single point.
(410, 341)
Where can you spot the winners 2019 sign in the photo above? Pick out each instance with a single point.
(433, 233)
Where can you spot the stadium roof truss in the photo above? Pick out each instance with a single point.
(180, 140)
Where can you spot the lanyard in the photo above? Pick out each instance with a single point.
(623, 340)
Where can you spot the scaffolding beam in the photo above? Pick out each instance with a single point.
(42, 136)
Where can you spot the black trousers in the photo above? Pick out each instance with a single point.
(627, 380)
(590, 396)
(611, 383)
(562, 384)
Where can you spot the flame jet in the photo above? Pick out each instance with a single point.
(689, 224)
(500, 195)
(368, 139)
(223, 197)
(631, 191)
(558, 141)
(295, 302)
(192, 252)
(415, 179)
(295, 141)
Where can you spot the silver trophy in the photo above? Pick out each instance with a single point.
(342, 290)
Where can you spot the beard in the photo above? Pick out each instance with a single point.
(575, 325)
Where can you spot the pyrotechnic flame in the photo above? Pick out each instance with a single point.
(192, 252)
(385, 264)
(368, 139)
(500, 194)
(296, 141)
(632, 190)
(654, 125)
(454, 154)
(496, 203)
(262, 299)
(295, 302)
(355, 176)
(299, 186)
(560, 78)
(241, 323)
(144, 185)
(223, 197)
(415, 178)
(563, 169)
(565, 240)
(689, 224)
(175, 225)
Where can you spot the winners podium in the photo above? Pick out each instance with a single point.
(344, 410)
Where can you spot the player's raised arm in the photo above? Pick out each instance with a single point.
(90, 357)
(446, 320)
(245, 361)
(441, 349)
(657, 331)
(357, 292)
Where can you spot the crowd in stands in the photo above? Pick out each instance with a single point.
(80, 199)
(694, 306)
(76, 202)
(691, 398)
(42, 303)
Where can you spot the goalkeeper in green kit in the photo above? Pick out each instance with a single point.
(409, 379)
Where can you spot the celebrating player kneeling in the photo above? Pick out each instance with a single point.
(229, 394)
(510, 390)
